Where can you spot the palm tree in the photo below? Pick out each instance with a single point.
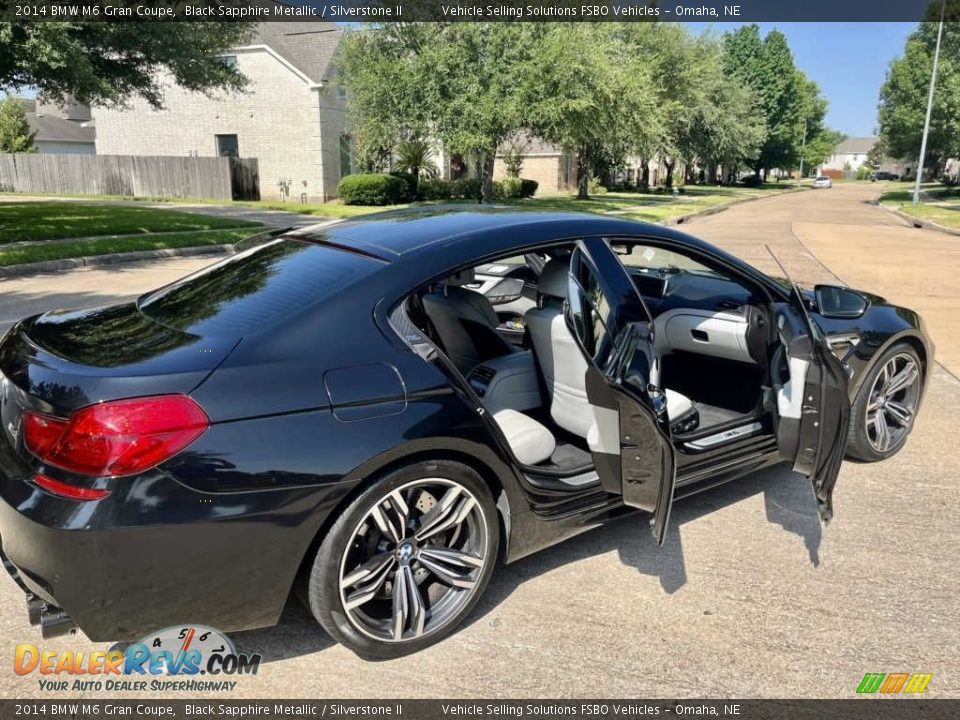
(415, 156)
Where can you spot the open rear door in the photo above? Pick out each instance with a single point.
(813, 404)
(630, 439)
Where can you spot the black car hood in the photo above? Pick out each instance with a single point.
(73, 358)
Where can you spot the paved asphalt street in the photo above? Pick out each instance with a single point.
(749, 596)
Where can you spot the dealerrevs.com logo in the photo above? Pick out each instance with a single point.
(894, 683)
(188, 658)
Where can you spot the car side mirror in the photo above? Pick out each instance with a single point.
(840, 302)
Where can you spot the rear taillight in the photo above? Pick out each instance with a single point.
(120, 437)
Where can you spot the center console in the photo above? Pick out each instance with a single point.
(508, 381)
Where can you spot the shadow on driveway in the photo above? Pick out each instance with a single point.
(788, 502)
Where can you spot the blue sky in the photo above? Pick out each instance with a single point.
(847, 60)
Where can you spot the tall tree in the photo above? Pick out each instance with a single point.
(108, 62)
(903, 96)
(380, 67)
(785, 97)
(724, 125)
(461, 82)
(475, 79)
(590, 91)
(15, 133)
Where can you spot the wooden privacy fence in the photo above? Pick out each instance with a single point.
(218, 178)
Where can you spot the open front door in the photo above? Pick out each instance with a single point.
(630, 439)
(813, 401)
(813, 405)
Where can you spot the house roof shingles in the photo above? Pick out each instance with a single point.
(855, 146)
(308, 46)
(50, 128)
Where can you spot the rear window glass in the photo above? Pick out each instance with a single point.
(256, 288)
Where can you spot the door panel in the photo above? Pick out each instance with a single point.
(630, 439)
(812, 403)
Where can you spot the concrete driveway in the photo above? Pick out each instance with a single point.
(749, 596)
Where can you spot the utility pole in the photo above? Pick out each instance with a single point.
(926, 123)
(803, 148)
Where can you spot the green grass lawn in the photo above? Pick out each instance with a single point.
(943, 209)
(54, 220)
(651, 207)
(153, 229)
(107, 246)
(332, 209)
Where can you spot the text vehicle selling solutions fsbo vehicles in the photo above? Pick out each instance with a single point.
(374, 413)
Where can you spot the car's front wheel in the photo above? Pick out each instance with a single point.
(407, 560)
(883, 413)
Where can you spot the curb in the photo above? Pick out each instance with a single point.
(124, 236)
(52, 266)
(919, 223)
(720, 208)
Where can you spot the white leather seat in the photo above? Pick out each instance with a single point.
(562, 362)
(530, 441)
(677, 404)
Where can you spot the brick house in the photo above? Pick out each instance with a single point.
(291, 117)
(61, 128)
(552, 167)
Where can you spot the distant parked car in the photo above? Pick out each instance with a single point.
(883, 175)
(823, 182)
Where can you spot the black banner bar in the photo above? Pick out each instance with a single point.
(856, 709)
(472, 10)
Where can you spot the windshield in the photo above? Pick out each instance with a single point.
(256, 288)
(660, 259)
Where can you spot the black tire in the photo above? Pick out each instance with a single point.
(323, 584)
(859, 446)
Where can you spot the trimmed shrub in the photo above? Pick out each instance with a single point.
(594, 187)
(465, 189)
(435, 189)
(411, 183)
(528, 188)
(508, 188)
(373, 189)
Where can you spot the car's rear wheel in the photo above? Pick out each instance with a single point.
(407, 560)
(883, 413)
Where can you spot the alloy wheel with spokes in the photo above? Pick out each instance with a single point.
(410, 561)
(892, 402)
(883, 412)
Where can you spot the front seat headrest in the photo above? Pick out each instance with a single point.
(458, 279)
(553, 278)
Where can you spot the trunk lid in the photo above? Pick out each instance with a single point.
(63, 360)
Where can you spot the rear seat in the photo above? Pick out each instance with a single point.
(530, 441)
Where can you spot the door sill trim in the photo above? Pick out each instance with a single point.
(723, 437)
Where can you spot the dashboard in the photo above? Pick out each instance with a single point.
(665, 289)
(696, 312)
